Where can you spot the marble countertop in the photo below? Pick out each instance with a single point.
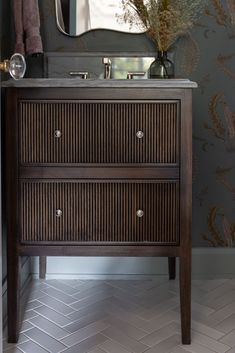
(75, 82)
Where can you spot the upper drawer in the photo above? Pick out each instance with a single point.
(96, 132)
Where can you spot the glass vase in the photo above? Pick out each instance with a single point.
(161, 67)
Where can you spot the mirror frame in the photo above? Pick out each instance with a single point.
(58, 15)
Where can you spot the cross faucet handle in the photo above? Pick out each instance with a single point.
(107, 61)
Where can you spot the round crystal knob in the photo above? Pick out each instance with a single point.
(17, 66)
(140, 134)
(58, 213)
(140, 213)
(58, 134)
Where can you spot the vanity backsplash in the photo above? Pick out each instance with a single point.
(67, 65)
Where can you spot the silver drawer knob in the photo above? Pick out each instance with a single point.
(57, 134)
(140, 134)
(140, 213)
(58, 213)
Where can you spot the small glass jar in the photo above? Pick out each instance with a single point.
(161, 67)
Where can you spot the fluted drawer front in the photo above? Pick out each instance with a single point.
(100, 212)
(86, 132)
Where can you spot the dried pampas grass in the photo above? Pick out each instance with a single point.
(164, 20)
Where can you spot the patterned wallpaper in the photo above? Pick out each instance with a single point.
(208, 57)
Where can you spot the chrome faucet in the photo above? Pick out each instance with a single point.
(107, 68)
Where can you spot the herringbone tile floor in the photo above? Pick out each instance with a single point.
(75, 316)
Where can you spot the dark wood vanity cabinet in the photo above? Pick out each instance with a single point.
(99, 171)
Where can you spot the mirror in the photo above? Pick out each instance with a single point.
(75, 17)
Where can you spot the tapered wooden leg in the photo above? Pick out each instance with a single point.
(13, 298)
(171, 267)
(185, 297)
(42, 267)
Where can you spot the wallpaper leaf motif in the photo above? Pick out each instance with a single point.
(228, 232)
(223, 129)
(221, 16)
(222, 61)
(224, 15)
(215, 237)
(221, 175)
(222, 232)
(230, 119)
(231, 8)
(189, 55)
(217, 124)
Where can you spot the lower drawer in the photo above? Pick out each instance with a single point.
(98, 212)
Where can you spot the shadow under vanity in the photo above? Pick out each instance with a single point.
(99, 168)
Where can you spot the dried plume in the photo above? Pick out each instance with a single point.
(231, 8)
(189, 55)
(163, 20)
(222, 232)
(221, 14)
(218, 126)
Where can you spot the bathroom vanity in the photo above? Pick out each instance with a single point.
(99, 168)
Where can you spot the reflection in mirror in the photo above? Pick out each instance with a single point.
(75, 17)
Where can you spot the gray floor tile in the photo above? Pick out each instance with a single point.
(56, 305)
(31, 347)
(84, 321)
(25, 326)
(125, 317)
(207, 330)
(35, 294)
(101, 288)
(53, 316)
(97, 350)
(8, 347)
(89, 310)
(229, 339)
(126, 342)
(89, 300)
(49, 327)
(227, 325)
(13, 350)
(113, 347)
(179, 350)
(86, 345)
(62, 287)
(197, 348)
(85, 332)
(45, 341)
(166, 346)
(28, 315)
(57, 294)
(157, 336)
(32, 305)
(210, 343)
(127, 328)
(73, 283)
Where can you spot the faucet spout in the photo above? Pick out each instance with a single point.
(107, 68)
